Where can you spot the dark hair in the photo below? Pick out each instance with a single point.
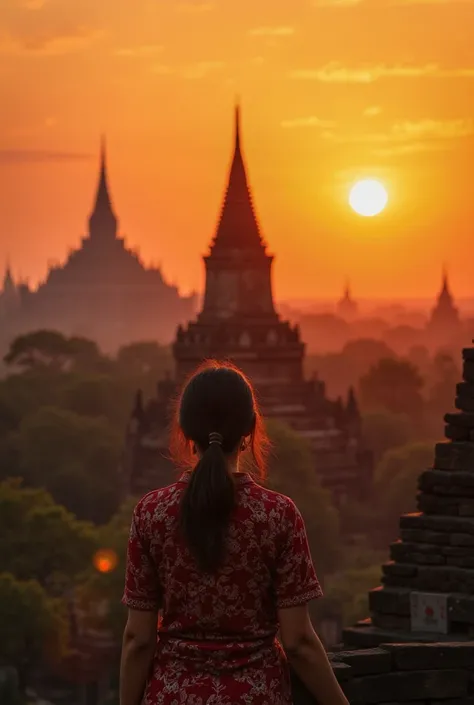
(217, 399)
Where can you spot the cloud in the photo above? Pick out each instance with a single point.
(310, 121)
(49, 46)
(335, 72)
(397, 150)
(407, 137)
(200, 69)
(29, 156)
(337, 4)
(372, 111)
(194, 8)
(33, 4)
(434, 129)
(277, 31)
(143, 50)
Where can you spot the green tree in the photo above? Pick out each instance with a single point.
(384, 430)
(292, 471)
(396, 485)
(41, 348)
(76, 458)
(394, 385)
(33, 628)
(40, 540)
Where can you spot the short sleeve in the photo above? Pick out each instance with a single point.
(142, 585)
(296, 580)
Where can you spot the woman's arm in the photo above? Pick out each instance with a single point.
(138, 649)
(307, 656)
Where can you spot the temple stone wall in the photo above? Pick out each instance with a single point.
(432, 674)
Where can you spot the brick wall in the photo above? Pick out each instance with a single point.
(412, 674)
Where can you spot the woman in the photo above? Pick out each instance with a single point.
(226, 564)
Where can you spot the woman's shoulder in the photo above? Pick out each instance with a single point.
(161, 497)
(275, 500)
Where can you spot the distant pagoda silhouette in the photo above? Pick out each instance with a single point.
(238, 321)
(444, 325)
(103, 291)
(434, 556)
(347, 307)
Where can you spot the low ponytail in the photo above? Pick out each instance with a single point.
(207, 505)
(215, 411)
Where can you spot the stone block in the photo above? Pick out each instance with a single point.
(451, 525)
(440, 481)
(461, 562)
(390, 601)
(444, 579)
(403, 570)
(454, 456)
(436, 656)
(433, 504)
(418, 553)
(457, 433)
(464, 403)
(468, 370)
(366, 661)
(342, 671)
(468, 700)
(466, 508)
(465, 389)
(400, 581)
(420, 536)
(460, 419)
(407, 686)
(391, 622)
(461, 540)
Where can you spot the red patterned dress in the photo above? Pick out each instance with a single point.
(217, 640)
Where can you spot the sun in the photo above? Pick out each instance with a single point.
(368, 197)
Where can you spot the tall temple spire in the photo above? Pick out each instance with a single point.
(238, 227)
(8, 281)
(103, 221)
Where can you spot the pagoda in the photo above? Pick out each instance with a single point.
(444, 327)
(238, 322)
(346, 306)
(103, 290)
(427, 592)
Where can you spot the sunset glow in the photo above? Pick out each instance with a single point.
(329, 91)
(368, 197)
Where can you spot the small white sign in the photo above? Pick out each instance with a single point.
(429, 612)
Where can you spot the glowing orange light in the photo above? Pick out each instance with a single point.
(105, 560)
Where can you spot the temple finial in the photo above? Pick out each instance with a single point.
(237, 122)
(103, 222)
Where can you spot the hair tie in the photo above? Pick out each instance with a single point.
(215, 438)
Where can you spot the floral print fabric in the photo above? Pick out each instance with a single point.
(217, 633)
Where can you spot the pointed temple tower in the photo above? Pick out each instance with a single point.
(104, 291)
(103, 224)
(428, 585)
(238, 321)
(444, 326)
(346, 306)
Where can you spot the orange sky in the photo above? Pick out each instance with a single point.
(331, 90)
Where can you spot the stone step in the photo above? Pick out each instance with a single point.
(447, 483)
(445, 506)
(437, 538)
(435, 578)
(396, 601)
(454, 456)
(445, 524)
